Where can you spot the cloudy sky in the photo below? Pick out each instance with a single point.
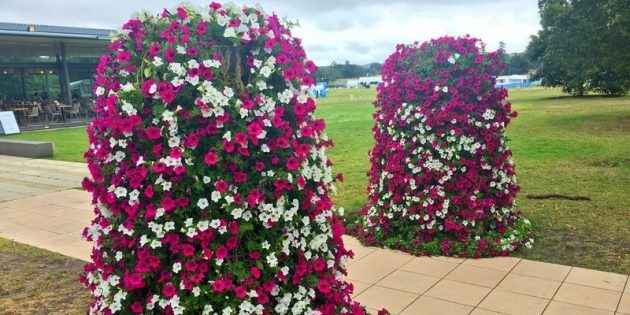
(361, 31)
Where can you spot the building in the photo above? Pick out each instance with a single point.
(41, 61)
(515, 81)
(363, 81)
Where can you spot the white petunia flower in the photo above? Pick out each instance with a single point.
(202, 203)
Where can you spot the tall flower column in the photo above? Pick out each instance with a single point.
(442, 180)
(209, 172)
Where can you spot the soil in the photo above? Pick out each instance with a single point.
(35, 281)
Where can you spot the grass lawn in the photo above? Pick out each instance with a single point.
(69, 143)
(561, 144)
(36, 281)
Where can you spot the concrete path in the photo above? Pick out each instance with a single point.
(23, 177)
(402, 283)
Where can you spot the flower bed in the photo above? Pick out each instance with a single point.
(442, 181)
(209, 172)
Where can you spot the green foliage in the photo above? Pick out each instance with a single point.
(583, 46)
(517, 63)
(346, 70)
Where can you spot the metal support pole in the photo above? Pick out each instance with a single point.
(46, 81)
(22, 74)
(66, 75)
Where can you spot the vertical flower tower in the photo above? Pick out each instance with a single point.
(442, 181)
(209, 173)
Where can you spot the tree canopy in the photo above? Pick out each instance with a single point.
(583, 46)
(346, 70)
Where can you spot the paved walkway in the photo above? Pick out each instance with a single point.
(402, 283)
(22, 177)
(53, 221)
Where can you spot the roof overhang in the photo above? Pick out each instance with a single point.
(44, 40)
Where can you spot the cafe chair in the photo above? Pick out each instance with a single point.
(76, 111)
(53, 114)
(34, 114)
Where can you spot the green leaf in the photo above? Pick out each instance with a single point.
(245, 227)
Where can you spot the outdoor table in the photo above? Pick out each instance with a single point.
(21, 113)
(62, 108)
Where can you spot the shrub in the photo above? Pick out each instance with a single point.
(441, 180)
(209, 172)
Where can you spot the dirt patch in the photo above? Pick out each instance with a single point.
(611, 162)
(35, 281)
(620, 123)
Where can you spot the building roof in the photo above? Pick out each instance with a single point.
(514, 77)
(20, 29)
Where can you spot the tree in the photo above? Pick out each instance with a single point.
(583, 46)
(346, 70)
(517, 63)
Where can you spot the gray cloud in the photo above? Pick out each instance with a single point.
(332, 30)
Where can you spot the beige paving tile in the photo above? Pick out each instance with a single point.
(49, 198)
(624, 304)
(6, 196)
(80, 250)
(597, 279)
(17, 231)
(588, 296)
(349, 240)
(504, 264)
(359, 287)
(36, 238)
(38, 221)
(430, 306)
(512, 303)
(387, 258)
(367, 273)
(541, 270)
(560, 308)
(73, 246)
(24, 204)
(456, 260)
(72, 228)
(81, 255)
(408, 281)
(23, 189)
(5, 225)
(480, 311)
(537, 287)
(56, 242)
(478, 276)
(360, 251)
(429, 266)
(377, 297)
(458, 292)
(81, 205)
(71, 202)
(71, 214)
(41, 209)
(7, 214)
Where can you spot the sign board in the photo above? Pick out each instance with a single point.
(8, 124)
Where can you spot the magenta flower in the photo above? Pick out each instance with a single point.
(440, 140)
(199, 181)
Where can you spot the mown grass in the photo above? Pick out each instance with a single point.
(561, 144)
(69, 143)
(36, 281)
